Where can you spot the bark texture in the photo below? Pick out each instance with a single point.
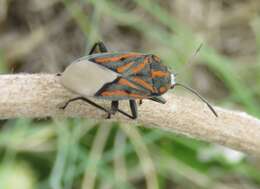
(40, 95)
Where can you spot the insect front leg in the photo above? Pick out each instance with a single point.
(98, 47)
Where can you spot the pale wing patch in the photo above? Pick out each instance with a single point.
(86, 78)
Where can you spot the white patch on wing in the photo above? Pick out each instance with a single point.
(86, 78)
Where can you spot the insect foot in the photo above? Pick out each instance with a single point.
(63, 106)
(108, 116)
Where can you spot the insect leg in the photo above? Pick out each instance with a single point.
(133, 108)
(85, 100)
(114, 108)
(98, 47)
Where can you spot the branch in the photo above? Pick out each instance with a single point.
(40, 95)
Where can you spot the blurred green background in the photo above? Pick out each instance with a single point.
(45, 36)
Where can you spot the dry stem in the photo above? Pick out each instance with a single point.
(39, 95)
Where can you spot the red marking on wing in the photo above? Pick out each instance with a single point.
(159, 74)
(121, 93)
(140, 66)
(144, 84)
(116, 58)
(121, 69)
(127, 83)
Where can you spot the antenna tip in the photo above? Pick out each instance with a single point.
(212, 110)
(198, 49)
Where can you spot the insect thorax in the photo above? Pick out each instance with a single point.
(161, 76)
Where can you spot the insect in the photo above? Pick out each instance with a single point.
(117, 76)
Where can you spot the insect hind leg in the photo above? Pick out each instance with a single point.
(133, 108)
(85, 100)
(98, 47)
(114, 109)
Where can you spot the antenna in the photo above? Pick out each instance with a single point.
(198, 95)
(194, 54)
(191, 58)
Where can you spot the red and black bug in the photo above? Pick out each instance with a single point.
(119, 76)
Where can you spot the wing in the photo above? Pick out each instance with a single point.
(122, 89)
(135, 81)
(86, 78)
(112, 76)
(118, 62)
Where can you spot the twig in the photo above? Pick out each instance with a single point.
(40, 95)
